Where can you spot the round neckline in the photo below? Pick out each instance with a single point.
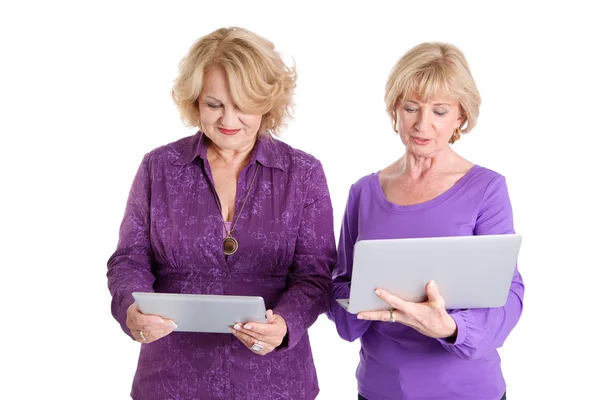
(388, 205)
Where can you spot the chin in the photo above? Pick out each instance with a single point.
(421, 152)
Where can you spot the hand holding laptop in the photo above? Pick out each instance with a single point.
(429, 317)
(469, 271)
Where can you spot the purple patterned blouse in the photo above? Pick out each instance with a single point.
(171, 241)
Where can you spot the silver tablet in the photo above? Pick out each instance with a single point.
(470, 271)
(202, 313)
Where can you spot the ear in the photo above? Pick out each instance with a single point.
(462, 117)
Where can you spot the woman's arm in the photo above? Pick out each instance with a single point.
(309, 279)
(482, 330)
(129, 268)
(348, 326)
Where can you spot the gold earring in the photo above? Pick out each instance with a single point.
(394, 127)
(455, 135)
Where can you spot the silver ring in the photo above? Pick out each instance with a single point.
(392, 315)
(256, 347)
(143, 336)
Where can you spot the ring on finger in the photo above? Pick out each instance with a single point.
(257, 347)
(143, 336)
(392, 319)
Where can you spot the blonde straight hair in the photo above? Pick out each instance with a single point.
(431, 70)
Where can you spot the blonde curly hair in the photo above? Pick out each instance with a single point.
(259, 81)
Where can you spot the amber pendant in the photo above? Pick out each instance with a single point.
(230, 245)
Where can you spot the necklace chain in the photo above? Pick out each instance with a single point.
(241, 209)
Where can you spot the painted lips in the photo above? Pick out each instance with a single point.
(421, 141)
(228, 131)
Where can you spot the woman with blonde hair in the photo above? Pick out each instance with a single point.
(228, 211)
(421, 350)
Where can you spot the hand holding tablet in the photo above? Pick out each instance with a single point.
(202, 313)
(147, 328)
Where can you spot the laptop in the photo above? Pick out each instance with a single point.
(202, 312)
(470, 271)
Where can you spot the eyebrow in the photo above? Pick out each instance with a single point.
(436, 104)
(213, 98)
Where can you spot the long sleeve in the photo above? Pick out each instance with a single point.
(348, 326)
(483, 330)
(129, 268)
(309, 279)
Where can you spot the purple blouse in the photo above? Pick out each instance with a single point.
(396, 361)
(171, 241)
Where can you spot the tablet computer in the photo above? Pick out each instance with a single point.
(470, 271)
(202, 312)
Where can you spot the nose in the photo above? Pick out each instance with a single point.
(423, 121)
(230, 117)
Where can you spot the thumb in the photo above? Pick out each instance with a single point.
(270, 316)
(433, 294)
(432, 289)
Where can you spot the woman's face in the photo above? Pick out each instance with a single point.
(221, 120)
(425, 128)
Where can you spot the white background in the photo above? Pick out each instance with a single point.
(85, 92)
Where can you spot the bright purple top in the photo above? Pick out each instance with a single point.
(171, 241)
(397, 362)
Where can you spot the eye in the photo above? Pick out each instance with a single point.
(411, 110)
(213, 105)
(441, 113)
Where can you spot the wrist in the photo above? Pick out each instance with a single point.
(451, 330)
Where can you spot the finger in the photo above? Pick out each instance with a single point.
(270, 319)
(246, 339)
(148, 335)
(248, 332)
(384, 316)
(166, 324)
(258, 328)
(262, 349)
(395, 301)
(140, 319)
(154, 335)
(137, 335)
(434, 297)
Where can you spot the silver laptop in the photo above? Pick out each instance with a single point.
(470, 271)
(201, 312)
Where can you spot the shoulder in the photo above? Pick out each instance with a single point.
(363, 186)
(293, 159)
(490, 187)
(301, 172)
(485, 179)
(170, 153)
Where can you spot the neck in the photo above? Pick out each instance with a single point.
(417, 167)
(237, 158)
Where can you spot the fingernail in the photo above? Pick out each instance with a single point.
(237, 327)
(359, 316)
(173, 325)
(249, 327)
(377, 292)
(232, 330)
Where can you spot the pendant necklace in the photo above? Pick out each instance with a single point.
(230, 244)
